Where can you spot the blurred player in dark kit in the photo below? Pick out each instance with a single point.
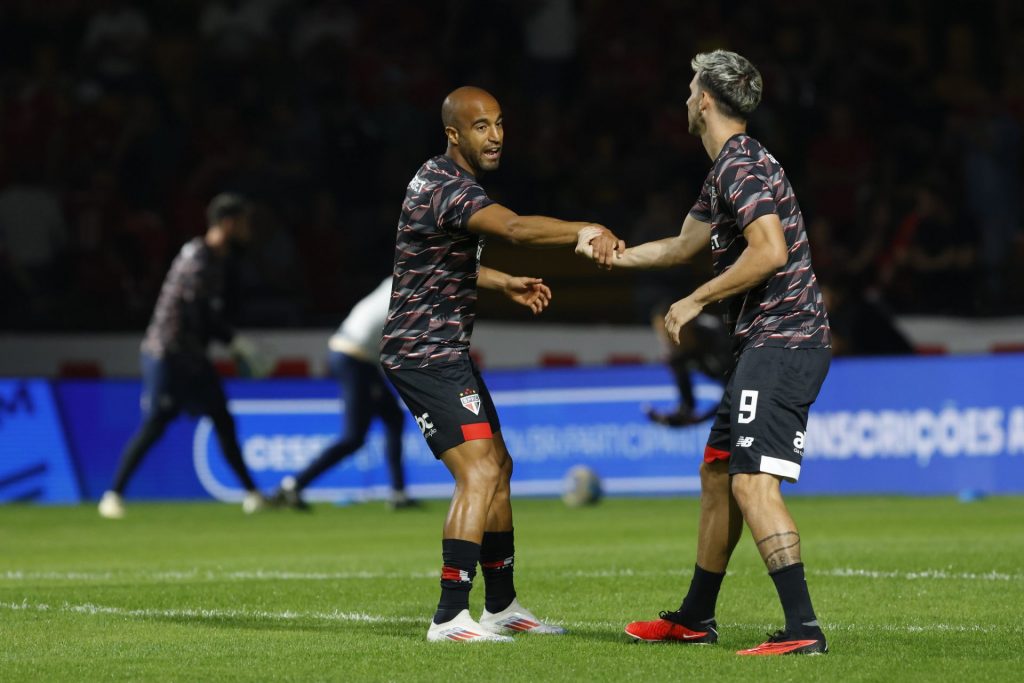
(704, 346)
(425, 353)
(355, 363)
(748, 213)
(176, 372)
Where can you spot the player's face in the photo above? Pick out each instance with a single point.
(481, 136)
(694, 118)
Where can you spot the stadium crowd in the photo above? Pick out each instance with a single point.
(899, 125)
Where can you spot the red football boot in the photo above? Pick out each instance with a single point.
(667, 630)
(782, 643)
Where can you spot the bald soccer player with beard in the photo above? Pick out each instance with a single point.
(445, 219)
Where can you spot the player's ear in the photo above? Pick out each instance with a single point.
(452, 134)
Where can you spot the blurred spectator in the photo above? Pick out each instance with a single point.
(992, 180)
(33, 235)
(235, 30)
(550, 32)
(838, 166)
(931, 257)
(861, 324)
(136, 113)
(329, 26)
(114, 42)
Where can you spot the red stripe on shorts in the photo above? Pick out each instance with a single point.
(713, 454)
(477, 430)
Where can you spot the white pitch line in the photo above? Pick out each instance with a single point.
(201, 613)
(173, 576)
(924, 574)
(92, 609)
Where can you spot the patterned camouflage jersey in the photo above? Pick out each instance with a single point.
(433, 297)
(190, 309)
(745, 183)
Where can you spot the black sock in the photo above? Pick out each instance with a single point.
(699, 604)
(796, 600)
(227, 437)
(496, 560)
(460, 558)
(147, 435)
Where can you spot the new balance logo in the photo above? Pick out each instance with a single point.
(745, 442)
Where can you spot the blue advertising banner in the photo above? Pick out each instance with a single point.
(551, 420)
(918, 426)
(935, 425)
(34, 461)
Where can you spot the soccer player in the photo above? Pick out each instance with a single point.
(425, 353)
(355, 363)
(748, 213)
(176, 373)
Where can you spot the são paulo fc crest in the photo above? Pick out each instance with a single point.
(470, 401)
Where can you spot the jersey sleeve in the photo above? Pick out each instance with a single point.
(701, 210)
(456, 202)
(747, 192)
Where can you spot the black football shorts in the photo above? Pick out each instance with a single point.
(761, 423)
(449, 401)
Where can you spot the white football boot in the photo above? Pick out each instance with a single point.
(111, 505)
(462, 629)
(517, 619)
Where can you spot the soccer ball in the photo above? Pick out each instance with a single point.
(581, 486)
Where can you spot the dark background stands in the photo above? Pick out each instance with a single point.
(900, 127)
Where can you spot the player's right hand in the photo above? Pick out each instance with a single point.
(604, 245)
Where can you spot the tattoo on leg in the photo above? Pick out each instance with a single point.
(778, 535)
(779, 554)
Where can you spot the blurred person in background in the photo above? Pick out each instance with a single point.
(861, 323)
(34, 238)
(704, 346)
(354, 361)
(176, 372)
(748, 213)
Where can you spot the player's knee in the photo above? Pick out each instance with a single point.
(483, 474)
(714, 479)
(754, 489)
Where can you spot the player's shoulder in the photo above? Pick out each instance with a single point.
(437, 174)
(194, 249)
(745, 155)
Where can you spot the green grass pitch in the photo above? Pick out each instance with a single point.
(906, 588)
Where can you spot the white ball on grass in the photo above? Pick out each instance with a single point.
(581, 486)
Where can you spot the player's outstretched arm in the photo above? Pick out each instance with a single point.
(692, 239)
(542, 231)
(525, 291)
(766, 252)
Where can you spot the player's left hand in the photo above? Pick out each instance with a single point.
(584, 238)
(681, 312)
(251, 361)
(530, 292)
